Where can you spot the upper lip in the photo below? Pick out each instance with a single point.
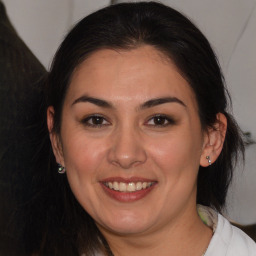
(127, 180)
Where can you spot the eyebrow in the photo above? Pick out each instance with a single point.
(95, 101)
(147, 104)
(159, 101)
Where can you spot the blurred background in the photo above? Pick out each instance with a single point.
(230, 26)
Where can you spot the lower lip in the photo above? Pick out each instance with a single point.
(127, 196)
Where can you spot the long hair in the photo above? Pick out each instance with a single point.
(58, 225)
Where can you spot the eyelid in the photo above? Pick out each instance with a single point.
(170, 120)
(85, 120)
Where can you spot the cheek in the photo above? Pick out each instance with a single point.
(178, 159)
(82, 154)
(177, 155)
(84, 158)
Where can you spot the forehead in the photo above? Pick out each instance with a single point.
(138, 75)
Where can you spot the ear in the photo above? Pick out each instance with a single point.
(213, 140)
(55, 139)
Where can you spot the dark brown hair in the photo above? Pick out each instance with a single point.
(65, 228)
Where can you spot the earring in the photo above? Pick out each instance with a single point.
(61, 169)
(209, 160)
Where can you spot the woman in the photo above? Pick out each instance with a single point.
(138, 122)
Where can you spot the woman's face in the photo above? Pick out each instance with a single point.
(131, 140)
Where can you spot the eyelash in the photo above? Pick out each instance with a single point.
(90, 118)
(165, 118)
(160, 117)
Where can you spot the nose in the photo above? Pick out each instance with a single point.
(127, 148)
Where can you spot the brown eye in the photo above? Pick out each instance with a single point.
(160, 121)
(95, 121)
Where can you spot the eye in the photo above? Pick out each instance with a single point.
(160, 120)
(95, 121)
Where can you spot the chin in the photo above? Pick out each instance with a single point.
(126, 224)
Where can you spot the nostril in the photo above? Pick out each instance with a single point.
(127, 155)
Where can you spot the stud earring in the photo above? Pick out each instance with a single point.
(209, 160)
(61, 169)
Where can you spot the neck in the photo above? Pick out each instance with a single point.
(187, 236)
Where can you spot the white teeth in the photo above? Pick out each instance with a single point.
(115, 185)
(131, 187)
(110, 185)
(122, 186)
(138, 186)
(128, 187)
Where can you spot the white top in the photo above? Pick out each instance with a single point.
(227, 239)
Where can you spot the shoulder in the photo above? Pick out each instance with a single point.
(230, 241)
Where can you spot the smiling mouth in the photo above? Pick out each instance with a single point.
(127, 190)
(129, 186)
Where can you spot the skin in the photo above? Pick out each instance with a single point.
(129, 143)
